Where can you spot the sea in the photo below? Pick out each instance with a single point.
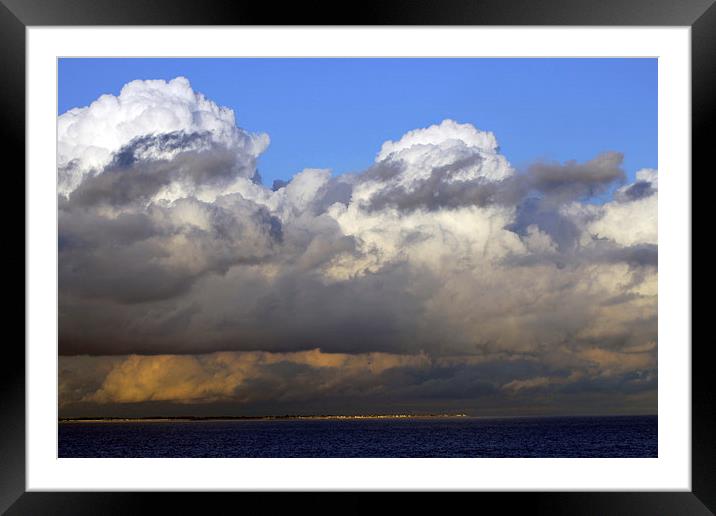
(595, 436)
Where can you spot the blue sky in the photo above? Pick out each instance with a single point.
(336, 113)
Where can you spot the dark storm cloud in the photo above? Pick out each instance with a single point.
(376, 311)
(644, 255)
(534, 211)
(155, 252)
(373, 312)
(438, 192)
(577, 180)
(133, 179)
(553, 182)
(152, 255)
(600, 251)
(157, 143)
(638, 190)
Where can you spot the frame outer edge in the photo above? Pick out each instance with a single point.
(703, 393)
(328, 12)
(12, 60)
(12, 366)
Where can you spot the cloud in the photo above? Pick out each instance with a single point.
(89, 138)
(158, 251)
(260, 381)
(636, 203)
(577, 180)
(171, 249)
(228, 376)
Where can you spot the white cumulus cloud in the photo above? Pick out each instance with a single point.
(88, 137)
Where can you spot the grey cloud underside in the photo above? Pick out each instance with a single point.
(126, 259)
(642, 255)
(129, 179)
(553, 183)
(638, 190)
(370, 313)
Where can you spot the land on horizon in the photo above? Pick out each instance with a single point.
(285, 416)
(115, 419)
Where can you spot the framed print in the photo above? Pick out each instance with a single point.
(425, 248)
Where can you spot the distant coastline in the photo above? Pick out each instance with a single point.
(249, 418)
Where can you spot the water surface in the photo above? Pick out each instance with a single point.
(619, 436)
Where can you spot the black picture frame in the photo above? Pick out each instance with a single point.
(16, 15)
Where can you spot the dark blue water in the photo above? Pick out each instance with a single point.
(621, 436)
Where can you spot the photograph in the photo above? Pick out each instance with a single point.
(357, 257)
(414, 249)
